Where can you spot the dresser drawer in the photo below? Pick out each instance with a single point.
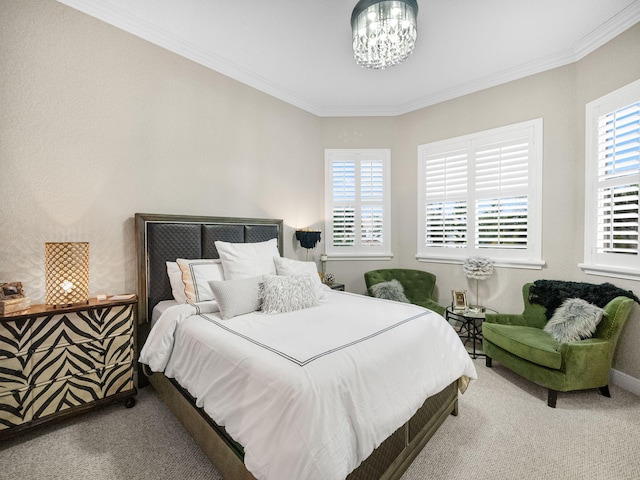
(117, 350)
(117, 379)
(14, 337)
(80, 327)
(65, 393)
(15, 372)
(79, 358)
(14, 408)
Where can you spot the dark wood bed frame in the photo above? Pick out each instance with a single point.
(162, 238)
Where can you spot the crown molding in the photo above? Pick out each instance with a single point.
(109, 13)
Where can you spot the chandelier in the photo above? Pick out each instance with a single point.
(384, 32)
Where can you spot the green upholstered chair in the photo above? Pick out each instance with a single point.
(418, 285)
(519, 342)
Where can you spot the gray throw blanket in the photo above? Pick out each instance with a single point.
(551, 293)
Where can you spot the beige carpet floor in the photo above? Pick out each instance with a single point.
(504, 431)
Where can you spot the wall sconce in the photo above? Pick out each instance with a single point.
(66, 273)
(308, 239)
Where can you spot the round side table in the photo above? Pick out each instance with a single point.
(470, 329)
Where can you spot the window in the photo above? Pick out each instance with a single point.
(612, 174)
(480, 195)
(357, 203)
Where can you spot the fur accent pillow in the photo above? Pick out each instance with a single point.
(574, 320)
(281, 294)
(391, 290)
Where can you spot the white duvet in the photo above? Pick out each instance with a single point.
(309, 394)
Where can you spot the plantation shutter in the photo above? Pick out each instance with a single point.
(480, 195)
(501, 200)
(445, 177)
(372, 203)
(618, 176)
(357, 202)
(343, 176)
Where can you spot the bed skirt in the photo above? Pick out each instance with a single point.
(388, 462)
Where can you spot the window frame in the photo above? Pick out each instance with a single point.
(604, 264)
(358, 251)
(531, 256)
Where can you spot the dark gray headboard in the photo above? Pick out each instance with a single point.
(163, 238)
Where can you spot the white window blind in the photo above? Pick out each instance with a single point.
(502, 181)
(357, 202)
(613, 176)
(480, 195)
(445, 180)
(618, 170)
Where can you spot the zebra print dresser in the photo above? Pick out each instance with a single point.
(57, 362)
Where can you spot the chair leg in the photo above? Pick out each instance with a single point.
(487, 361)
(605, 391)
(552, 398)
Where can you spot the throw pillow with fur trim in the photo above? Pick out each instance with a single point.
(281, 294)
(391, 290)
(574, 320)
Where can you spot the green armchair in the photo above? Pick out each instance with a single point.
(418, 285)
(519, 342)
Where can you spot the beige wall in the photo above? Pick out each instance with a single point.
(96, 125)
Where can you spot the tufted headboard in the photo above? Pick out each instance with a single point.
(163, 238)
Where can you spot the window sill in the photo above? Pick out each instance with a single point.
(610, 271)
(498, 262)
(338, 257)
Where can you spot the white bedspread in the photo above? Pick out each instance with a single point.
(309, 394)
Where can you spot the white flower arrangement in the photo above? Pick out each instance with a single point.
(479, 268)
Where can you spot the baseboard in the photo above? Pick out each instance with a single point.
(622, 380)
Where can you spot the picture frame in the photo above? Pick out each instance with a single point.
(11, 290)
(459, 299)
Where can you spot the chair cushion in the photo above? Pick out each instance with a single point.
(529, 343)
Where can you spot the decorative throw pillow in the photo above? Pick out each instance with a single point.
(244, 260)
(237, 297)
(196, 275)
(175, 280)
(287, 266)
(281, 294)
(391, 290)
(575, 319)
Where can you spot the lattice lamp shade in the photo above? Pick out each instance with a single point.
(67, 272)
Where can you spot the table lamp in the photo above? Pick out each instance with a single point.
(66, 273)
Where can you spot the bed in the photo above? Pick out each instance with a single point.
(285, 414)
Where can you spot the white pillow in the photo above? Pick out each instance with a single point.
(237, 297)
(177, 285)
(287, 266)
(196, 275)
(281, 294)
(245, 260)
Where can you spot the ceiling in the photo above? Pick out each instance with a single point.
(300, 50)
